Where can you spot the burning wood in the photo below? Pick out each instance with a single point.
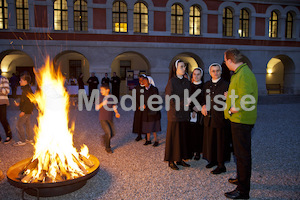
(55, 158)
(28, 174)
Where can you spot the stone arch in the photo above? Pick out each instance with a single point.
(129, 61)
(191, 60)
(16, 61)
(280, 71)
(71, 63)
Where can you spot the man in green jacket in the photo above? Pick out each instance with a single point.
(241, 110)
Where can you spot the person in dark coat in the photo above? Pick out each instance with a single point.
(14, 82)
(215, 140)
(137, 119)
(105, 80)
(115, 85)
(26, 108)
(196, 122)
(150, 118)
(177, 147)
(80, 81)
(93, 83)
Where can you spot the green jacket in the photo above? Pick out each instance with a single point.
(243, 82)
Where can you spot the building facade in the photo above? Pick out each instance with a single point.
(147, 36)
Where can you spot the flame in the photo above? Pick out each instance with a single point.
(57, 158)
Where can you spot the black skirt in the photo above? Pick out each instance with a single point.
(215, 145)
(137, 126)
(177, 147)
(150, 127)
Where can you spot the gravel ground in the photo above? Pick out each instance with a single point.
(135, 171)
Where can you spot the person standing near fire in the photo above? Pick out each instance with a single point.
(177, 146)
(196, 121)
(241, 110)
(93, 83)
(4, 102)
(215, 138)
(106, 116)
(150, 118)
(115, 85)
(26, 108)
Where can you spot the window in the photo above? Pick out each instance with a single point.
(140, 18)
(80, 16)
(273, 25)
(289, 25)
(244, 23)
(3, 14)
(22, 14)
(74, 68)
(176, 19)
(119, 12)
(60, 15)
(195, 20)
(227, 22)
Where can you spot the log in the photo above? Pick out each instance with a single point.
(86, 161)
(80, 165)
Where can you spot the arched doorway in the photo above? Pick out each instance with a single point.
(128, 66)
(280, 75)
(16, 62)
(71, 64)
(191, 61)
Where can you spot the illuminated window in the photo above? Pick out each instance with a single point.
(227, 22)
(140, 18)
(22, 14)
(119, 12)
(80, 16)
(273, 25)
(195, 18)
(289, 25)
(244, 23)
(3, 14)
(60, 15)
(176, 19)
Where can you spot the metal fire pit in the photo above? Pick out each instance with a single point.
(49, 189)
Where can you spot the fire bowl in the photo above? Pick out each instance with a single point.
(50, 189)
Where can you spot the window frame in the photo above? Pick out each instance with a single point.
(24, 13)
(271, 25)
(194, 7)
(4, 16)
(176, 16)
(140, 14)
(81, 12)
(119, 13)
(244, 30)
(291, 22)
(61, 10)
(225, 22)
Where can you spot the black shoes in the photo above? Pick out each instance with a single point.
(233, 181)
(8, 139)
(173, 166)
(211, 164)
(109, 150)
(218, 170)
(182, 163)
(155, 144)
(138, 138)
(147, 142)
(235, 194)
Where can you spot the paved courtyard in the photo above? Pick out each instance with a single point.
(135, 171)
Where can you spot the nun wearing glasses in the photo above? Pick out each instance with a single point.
(215, 139)
(177, 146)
